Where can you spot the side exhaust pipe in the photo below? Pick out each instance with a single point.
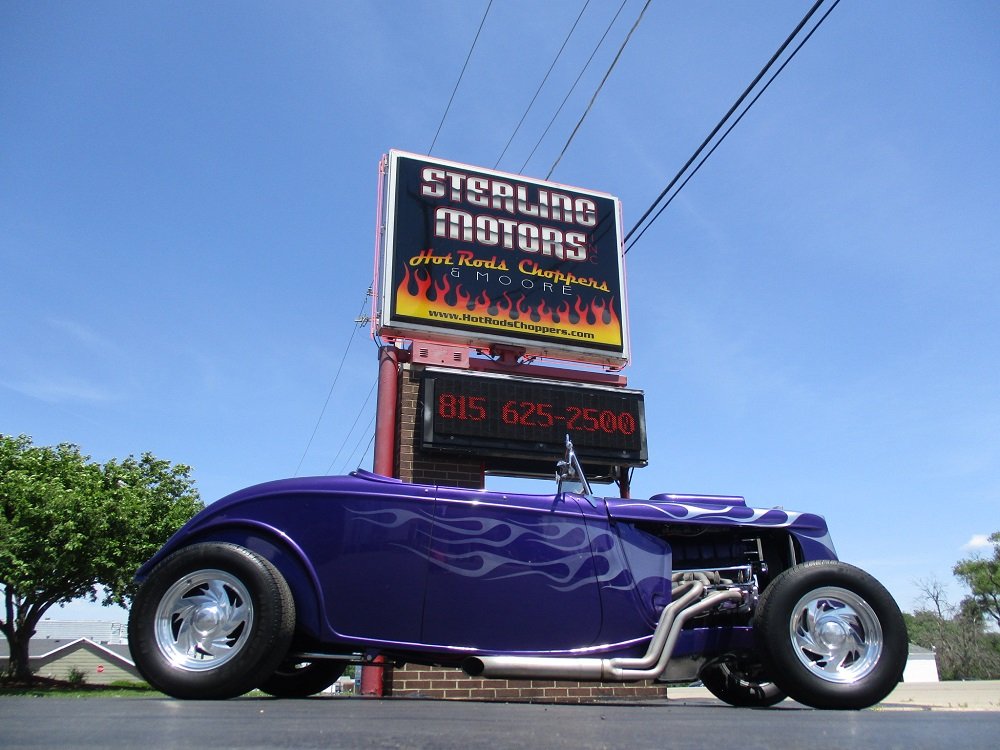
(594, 669)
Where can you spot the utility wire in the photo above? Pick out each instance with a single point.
(333, 385)
(730, 128)
(539, 89)
(353, 425)
(460, 76)
(598, 90)
(572, 88)
(763, 72)
(354, 452)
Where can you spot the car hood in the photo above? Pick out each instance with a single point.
(720, 510)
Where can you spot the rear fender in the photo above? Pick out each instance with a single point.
(282, 552)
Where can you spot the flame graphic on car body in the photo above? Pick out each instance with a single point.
(567, 552)
(560, 551)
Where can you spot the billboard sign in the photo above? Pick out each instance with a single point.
(480, 257)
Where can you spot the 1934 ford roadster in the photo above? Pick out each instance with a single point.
(282, 585)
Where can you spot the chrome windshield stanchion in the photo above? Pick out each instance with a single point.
(569, 472)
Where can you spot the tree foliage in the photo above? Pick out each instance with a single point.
(69, 525)
(982, 576)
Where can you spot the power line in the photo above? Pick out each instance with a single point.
(763, 72)
(728, 114)
(353, 425)
(460, 76)
(355, 452)
(573, 87)
(544, 79)
(599, 87)
(730, 128)
(333, 385)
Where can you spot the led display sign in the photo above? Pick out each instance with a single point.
(530, 417)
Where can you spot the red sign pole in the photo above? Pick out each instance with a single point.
(385, 411)
(372, 675)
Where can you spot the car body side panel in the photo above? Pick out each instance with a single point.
(373, 566)
(633, 598)
(511, 573)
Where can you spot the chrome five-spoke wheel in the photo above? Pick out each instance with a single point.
(203, 620)
(836, 635)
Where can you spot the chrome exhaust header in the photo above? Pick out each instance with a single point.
(594, 669)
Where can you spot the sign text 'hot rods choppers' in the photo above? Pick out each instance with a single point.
(480, 257)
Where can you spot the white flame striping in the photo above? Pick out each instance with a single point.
(494, 559)
(691, 512)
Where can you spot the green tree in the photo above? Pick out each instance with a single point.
(69, 525)
(982, 576)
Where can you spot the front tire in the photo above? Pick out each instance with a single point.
(213, 620)
(831, 635)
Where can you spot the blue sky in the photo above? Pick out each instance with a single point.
(187, 206)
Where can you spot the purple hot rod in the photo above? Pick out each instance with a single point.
(281, 585)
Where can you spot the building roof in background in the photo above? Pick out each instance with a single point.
(47, 648)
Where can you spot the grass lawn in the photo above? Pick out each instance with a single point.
(42, 686)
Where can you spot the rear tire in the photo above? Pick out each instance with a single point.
(831, 635)
(302, 679)
(213, 620)
(741, 683)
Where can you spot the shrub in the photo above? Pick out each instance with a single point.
(76, 677)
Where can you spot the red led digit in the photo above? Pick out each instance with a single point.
(509, 413)
(529, 409)
(446, 406)
(544, 412)
(477, 408)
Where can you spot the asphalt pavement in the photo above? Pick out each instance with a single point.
(981, 695)
(329, 723)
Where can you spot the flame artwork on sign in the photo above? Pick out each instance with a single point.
(419, 296)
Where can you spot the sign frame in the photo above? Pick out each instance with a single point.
(482, 258)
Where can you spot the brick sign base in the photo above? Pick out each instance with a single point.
(431, 682)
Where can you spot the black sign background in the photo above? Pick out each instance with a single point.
(504, 416)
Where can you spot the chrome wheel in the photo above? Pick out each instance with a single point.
(836, 634)
(203, 620)
(211, 621)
